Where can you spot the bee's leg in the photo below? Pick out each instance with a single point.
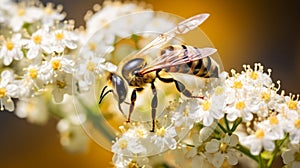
(179, 86)
(102, 95)
(153, 105)
(131, 107)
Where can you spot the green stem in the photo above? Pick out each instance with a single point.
(246, 152)
(222, 128)
(236, 124)
(276, 150)
(261, 162)
(227, 124)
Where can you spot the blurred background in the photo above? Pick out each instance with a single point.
(244, 32)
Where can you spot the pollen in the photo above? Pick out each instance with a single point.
(297, 123)
(266, 96)
(133, 164)
(259, 134)
(59, 36)
(33, 73)
(219, 90)
(37, 39)
(240, 105)
(61, 84)
(273, 120)
(237, 85)
(161, 131)
(92, 46)
(56, 64)
(2, 92)
(10, 45)
(253, 75)
(123, 143)
(292, 105)
(206, 105)
(90, 66)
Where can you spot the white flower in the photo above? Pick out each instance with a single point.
(121, 161)
(62, 85)
(33, 109)
(257, 141)
(50, 15)
(7, 91)
(182, 116)
(72, 137)
(38, 44)
(60, 39)
(11, 49)
(22, 15)
(209, 110)
(291, 156)
(128, 145)
(165, 137)
(50, 69)
(223, 149)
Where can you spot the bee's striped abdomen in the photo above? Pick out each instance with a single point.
(205, 67)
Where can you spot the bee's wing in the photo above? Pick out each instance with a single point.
(177, 57)
(182, 28)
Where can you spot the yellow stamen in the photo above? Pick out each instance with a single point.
(240, 105)
(266, 96)
(140, 133)
(273, 120)
(37, 39)
(90, 66)
(237, 85)
(260, 134)
(161, 131)
(10, 45)
(223, 148)
(253, 75)
(33, 73)
(206, 105)
(56, 64)
(92, 46)
(59, 36)
(123, 143)
(292, 105)
(61, 84)
(297, 123)
(133, 164)
(21, 12)
(2, 92)
(219, 90)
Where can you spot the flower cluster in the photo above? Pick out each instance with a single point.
(45, 60)
(253, 119)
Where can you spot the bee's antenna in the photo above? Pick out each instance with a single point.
(102, 95)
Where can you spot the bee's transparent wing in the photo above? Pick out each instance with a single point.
(182, 28)
(177, 57)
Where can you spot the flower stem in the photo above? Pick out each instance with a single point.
(222, 128)
(276, 150)
(246, 152)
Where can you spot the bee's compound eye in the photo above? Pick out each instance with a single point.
(132, 67)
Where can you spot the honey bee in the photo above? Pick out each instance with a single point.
(185, 59)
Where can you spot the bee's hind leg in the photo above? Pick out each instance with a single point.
(153, 106)
(179, 86)
(132, 100)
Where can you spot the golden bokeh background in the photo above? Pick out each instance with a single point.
(244, 32)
